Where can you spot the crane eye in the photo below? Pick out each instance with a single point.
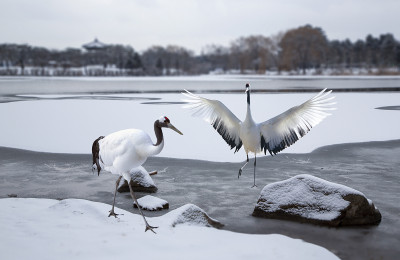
(166, 119)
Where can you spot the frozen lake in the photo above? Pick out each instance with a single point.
(229, 83)
(66, 115)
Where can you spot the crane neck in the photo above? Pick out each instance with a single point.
(159, 145)
(159, 133)
(248, 114)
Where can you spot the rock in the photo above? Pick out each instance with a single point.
(190, 214)
(141, 182)
(136, 187)
(309, 199)
(152, 203)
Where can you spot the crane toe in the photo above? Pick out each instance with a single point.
(240, 173)
(112, 213)
(148, 227)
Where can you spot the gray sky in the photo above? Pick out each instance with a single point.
(192, 24)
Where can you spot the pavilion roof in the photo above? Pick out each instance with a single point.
(94, 45)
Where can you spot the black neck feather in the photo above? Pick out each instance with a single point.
(158, 132)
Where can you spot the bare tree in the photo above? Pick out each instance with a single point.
(387, 46)
(297, 49)
(216, 57)
(303, 48)
(255, 53)
(171, 60)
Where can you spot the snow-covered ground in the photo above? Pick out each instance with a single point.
(71, 125)
(80, 229)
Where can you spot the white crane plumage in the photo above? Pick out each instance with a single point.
(125, 151)
(272, 135)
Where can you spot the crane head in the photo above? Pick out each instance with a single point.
(165, 122)
(247, 87)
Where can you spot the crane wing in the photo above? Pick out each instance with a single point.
(285, 129)
(218, 115)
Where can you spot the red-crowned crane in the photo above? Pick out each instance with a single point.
(272, 135)
(122, 152)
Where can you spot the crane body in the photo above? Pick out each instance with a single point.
(273, 135)
(124, 151)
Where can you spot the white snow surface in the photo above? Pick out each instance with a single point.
(311, 192)
(80, 229)
(149, 202)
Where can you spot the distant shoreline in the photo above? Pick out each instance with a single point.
(99, 71)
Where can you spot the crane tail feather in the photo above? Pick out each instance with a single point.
(95, 154)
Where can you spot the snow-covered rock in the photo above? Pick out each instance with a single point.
(192, 215)
(306, 198)
(141, 182)
(152, 203)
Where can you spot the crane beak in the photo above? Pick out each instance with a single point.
(174, 128)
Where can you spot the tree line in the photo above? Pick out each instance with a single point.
(295, 51)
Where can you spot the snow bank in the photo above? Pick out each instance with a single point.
(80, 229)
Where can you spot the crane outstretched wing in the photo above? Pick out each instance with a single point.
(218, 115)
(285, 129)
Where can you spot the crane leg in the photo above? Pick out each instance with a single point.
(148, 227)
(255, 162)
(112, 213)
(241, 169)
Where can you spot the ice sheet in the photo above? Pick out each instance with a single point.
(70, 126)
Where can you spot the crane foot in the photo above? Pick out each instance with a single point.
(148, 227)
(240, 173)
(112, 213)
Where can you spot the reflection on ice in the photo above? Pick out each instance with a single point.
(389, 108)
(16, 98)
(163, 103)
(70, 125)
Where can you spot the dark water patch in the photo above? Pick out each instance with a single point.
(111, 98)
(371, 168)
(98, 95)
(389, 108)
(17, 98)
(297, 89)
(10, 99)
(163, 103)
(302, 89)
(160, 85)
